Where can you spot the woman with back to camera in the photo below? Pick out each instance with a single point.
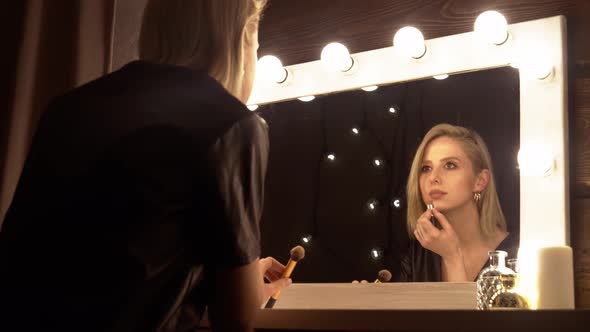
(140, 199)
(452, 174)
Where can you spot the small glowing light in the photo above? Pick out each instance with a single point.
(392, 109)
(396, 202)
(269, 68)
(378, 162)
(376, 253)
(252, 107)
(372, 204)
(535, 160)
(537, 67)
(335, 57)
(306, 98)
(355, 131)
(331, 156)
(491, 27)
(306, 239)
(370, 88)
(440, 77)
(410, 42)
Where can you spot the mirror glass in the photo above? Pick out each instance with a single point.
(333, 158)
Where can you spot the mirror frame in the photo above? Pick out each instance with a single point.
(544, 199)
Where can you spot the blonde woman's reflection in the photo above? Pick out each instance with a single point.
(452, 180)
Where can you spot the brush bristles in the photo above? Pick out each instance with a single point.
(384, 276)
(297, 253)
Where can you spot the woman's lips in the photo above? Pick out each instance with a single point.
(436, 194)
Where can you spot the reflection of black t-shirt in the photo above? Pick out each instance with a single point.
(423, 265)
(136, 186)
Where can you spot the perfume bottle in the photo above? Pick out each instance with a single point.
(509, 297)
(488, 281)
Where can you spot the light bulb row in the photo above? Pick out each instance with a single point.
(490, 27)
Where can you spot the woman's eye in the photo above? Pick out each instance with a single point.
(450, 165)
(425, 168)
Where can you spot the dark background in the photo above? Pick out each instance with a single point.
(306, 194)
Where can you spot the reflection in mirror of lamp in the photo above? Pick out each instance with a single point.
(306, 98)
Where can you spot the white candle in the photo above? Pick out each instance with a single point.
(555, 278)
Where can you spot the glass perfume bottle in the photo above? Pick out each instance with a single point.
(488, 281)
(509, 297)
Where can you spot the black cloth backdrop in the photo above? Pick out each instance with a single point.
(305, 194)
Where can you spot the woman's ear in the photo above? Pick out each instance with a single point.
(482, 180)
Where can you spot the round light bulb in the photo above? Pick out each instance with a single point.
(252, 107)
(335, 57)
(306, 239)
(539, 67)
(392, 110)
(491, 27)
(270, 69)
(370, 88)
(306, 98)
(535, 160)
(378, 162)
(410, 42)
(355, 131)
(396, 202)
(440, 77)
(331, 156)
(376, 253)
(372, 205)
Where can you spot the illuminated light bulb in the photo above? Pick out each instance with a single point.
(409, 41)
(306, 239)
(393, 110)
(396, 202)
(306, 98)
(330, 157)
(376, 253)
(535, 160)
(335, 57)
(372, 205)
(270, 69)
(440, 77)
(539, 67)
(370, 88)
(355, 131)
(378, 162)
(252, 107)
(491, 27)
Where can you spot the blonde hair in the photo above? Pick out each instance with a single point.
(488, 207)
(204, 34)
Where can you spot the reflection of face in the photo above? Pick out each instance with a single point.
(250, 57)
(447, 178)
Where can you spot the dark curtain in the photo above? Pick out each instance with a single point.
(54, 46)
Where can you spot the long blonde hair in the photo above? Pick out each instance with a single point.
(203, 34)
(488, 207)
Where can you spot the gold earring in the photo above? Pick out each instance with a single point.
(476, 197)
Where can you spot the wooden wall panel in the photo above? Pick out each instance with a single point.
(581, 248)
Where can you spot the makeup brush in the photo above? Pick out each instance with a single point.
(297, 254)
(383, 276)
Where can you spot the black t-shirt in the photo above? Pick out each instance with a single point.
(136, 186)
(423, 265)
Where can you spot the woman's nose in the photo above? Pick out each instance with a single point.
(435, 176)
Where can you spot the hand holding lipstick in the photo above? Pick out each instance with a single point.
(443, 241)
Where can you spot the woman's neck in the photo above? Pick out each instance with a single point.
(465, 222)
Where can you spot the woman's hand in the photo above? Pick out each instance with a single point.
(442, 241)
(272, 270)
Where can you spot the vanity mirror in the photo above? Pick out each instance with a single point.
(536, 47)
